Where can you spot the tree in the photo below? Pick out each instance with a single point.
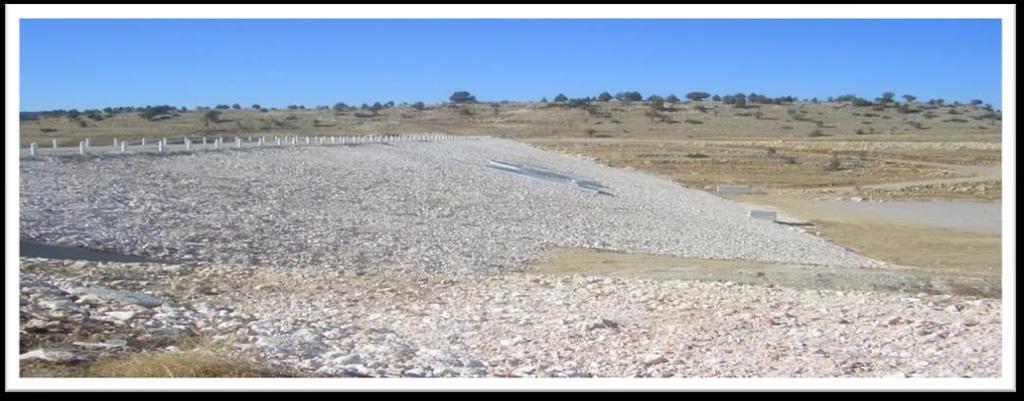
(672, 99)
(462, 97)
(716, 98)
(256, 107)
(975, 102)
(544, 99)
(376, 106)
(886, 98)
(910, 98)
(604, 97)
(697, 96)
(236, 106)
(560, 98)
(222, 107)
(419, 106)
(340, 106)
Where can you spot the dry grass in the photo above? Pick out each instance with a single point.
(787, 168)
(198, 357)
(176, 364)
(533, 120)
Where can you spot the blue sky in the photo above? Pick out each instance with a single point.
(97, 63)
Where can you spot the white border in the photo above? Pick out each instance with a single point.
(760, 11)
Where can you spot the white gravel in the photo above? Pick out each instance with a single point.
(321, 322)
(413, 206)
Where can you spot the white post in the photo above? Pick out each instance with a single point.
(55, 143)
(204, 141)
(115, 143)
(307, 140)
(216, 143)
(277, 140)
(122, 146)
(334, 140)
(87, 143)
(32, 149)
(143, 142)
(160, 146)
(188, 144)
(238, 142)
(81, 148)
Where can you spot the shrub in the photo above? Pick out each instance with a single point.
(716, 98)
(211, 116)
(657, 103)
(672, 99)
(816, 133)
(236, 106)
(152, 111)
(604, 97)
(697, 96)
(93, 115)
(628, 96)
(692, 121)
(771, 151)
(560, 98)
(590, 132)
(340, 106)
(462, 97)
(833, 165)
(579, 103)
(419, 106)
(858, 102)
(916, 124)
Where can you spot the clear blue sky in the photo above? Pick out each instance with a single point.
(98, 63)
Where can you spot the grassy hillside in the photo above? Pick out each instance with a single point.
(683, 121)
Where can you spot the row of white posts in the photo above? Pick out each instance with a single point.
(162, 144)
